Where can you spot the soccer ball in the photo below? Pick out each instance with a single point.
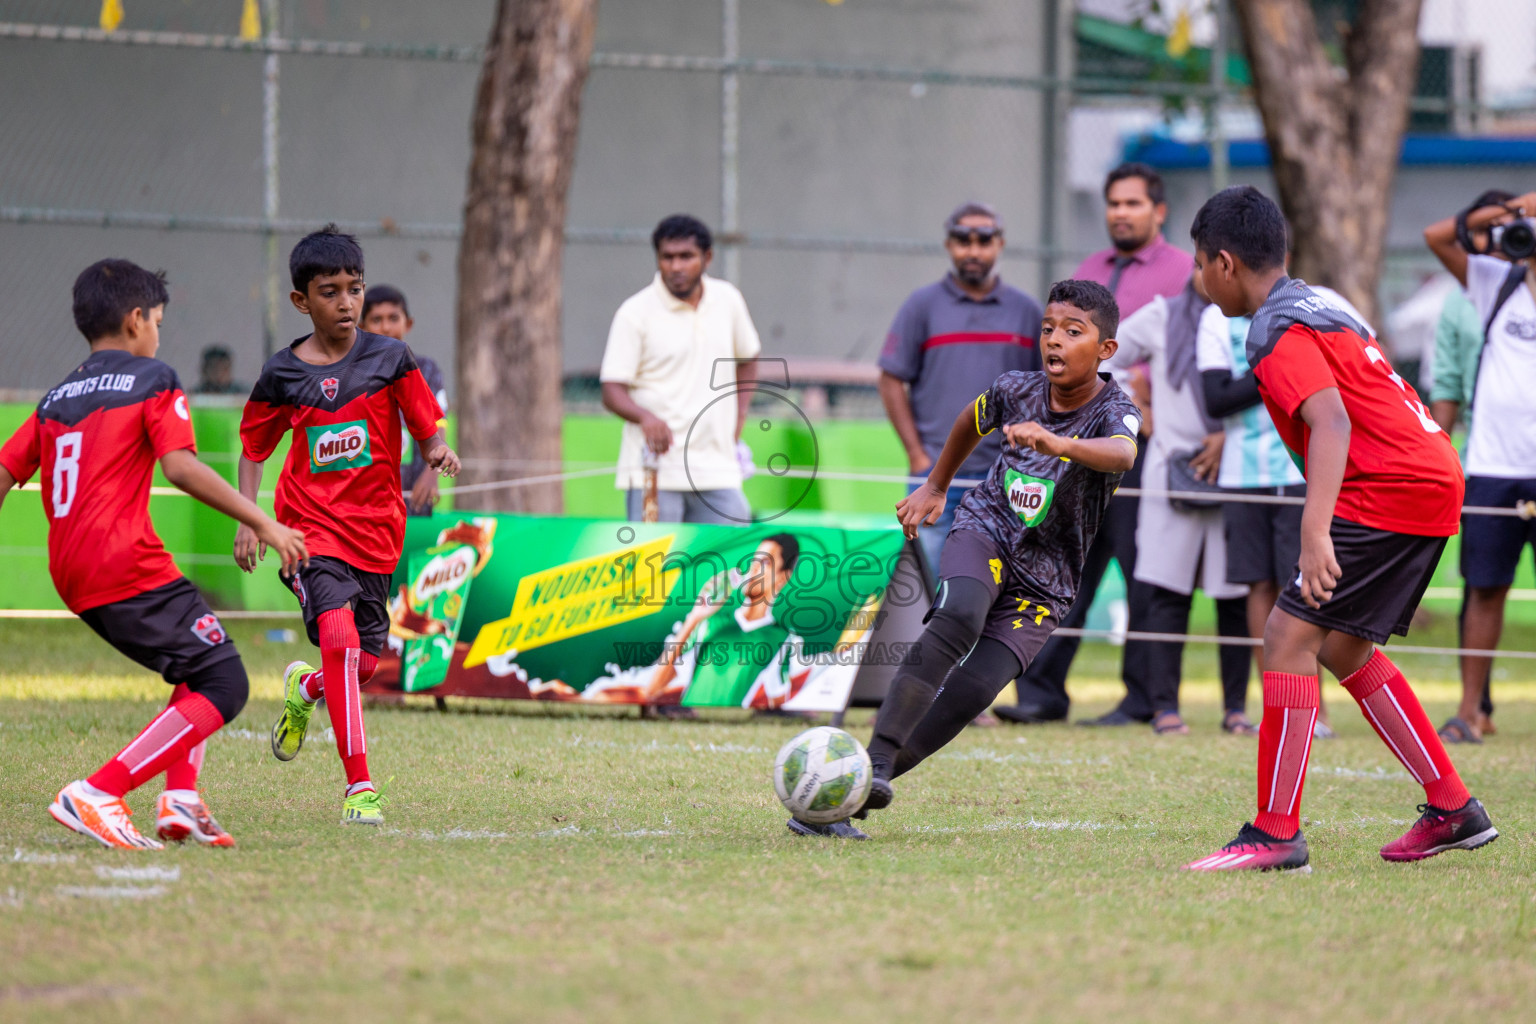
(822, 775)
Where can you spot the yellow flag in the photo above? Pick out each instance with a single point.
(111, 14)
(250, 20)
(1178, 39)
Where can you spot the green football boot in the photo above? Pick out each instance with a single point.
(288, 733)
(363, 808)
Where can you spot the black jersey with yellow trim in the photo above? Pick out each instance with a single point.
(1045, 510)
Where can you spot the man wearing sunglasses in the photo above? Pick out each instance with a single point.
(950, 342)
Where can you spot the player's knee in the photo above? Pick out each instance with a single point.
(962, 606)
(224, 685)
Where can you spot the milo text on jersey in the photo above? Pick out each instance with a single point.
(96, 438)
(1044, 510)
(1402, 475)
(341, 484)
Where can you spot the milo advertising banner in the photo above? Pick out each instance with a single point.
(636, 613)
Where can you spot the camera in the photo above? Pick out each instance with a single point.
(1516, 240)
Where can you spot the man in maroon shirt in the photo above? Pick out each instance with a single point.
(1139, 265)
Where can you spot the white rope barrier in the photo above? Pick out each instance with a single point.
(1244, 641)
(1523, 510)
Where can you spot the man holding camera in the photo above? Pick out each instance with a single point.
(1489, 249)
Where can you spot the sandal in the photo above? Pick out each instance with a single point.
(1238, 724)
(1169, 724)
(1456, 730)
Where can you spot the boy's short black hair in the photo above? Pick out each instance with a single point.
(1092, 298)
(1246, 223)
(680, 225)
(789, 549)
(108, 290)
(1134, 169)
(382, 293)
(327, 251)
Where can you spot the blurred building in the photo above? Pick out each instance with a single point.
(826, 161)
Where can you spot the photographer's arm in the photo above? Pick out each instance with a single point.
(1441, 235)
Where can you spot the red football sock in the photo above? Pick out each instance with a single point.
(339, 656)
(1285, 743)
(312, 686)
(1389, 704)
(183, 773)
(166, 740)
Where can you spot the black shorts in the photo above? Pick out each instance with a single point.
(168, 630)
(1384, 576)
(1491, 545)
(1263, 541)
(1016, 620)
(329, 583)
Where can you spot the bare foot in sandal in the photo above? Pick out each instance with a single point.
(1169, 724)
(1457, 730)
(1238, 724)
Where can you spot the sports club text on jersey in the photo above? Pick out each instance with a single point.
(340, 484)
(96, 438)
(106, 382)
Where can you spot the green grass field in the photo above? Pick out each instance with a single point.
(539, 864)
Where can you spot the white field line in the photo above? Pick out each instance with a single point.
(327, 734)
(27, 857)
(144, 874)
(1372, 774)
(112, 892)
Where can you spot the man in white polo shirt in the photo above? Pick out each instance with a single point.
(675, 352)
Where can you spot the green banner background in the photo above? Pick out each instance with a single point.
(837, 572)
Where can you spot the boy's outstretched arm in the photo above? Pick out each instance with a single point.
(439, 456)
(6, 483)
(183, 469)
(249, 548)
(1100, 454)
(1327, 454)
(924, 506)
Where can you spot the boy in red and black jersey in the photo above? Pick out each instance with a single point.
(1384, 492)
(96, 438)
(342, 393)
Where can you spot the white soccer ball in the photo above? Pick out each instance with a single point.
(822, 775)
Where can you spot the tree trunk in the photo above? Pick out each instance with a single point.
(527, 109)
(1334, 135)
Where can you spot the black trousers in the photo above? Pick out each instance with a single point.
(1486, 705)
(1167, 611)
(1045, 680)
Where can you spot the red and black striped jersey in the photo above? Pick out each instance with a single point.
(96, 438)
(341, 484)
(1402, 474)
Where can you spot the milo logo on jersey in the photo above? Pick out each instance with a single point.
(338, 446)
(1029, 496)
